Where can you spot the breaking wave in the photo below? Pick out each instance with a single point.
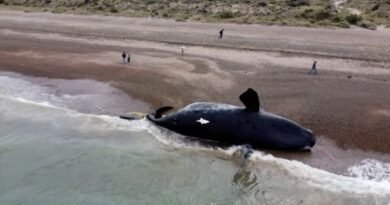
(371, 169)
(368, 176)
(367, 181)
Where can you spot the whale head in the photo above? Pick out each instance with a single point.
(285, 134)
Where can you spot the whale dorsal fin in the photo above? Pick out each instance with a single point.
(160, 111)
(251, 100)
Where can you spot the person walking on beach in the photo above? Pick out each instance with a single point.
(124, 57)
(313, 68)
(182, 49)
(128, 57)
(221, 33)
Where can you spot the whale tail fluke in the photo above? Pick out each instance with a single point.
(160, 111)
(251, 100)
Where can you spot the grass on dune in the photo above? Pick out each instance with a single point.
(281, 12)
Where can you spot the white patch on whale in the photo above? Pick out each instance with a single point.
(203, 121)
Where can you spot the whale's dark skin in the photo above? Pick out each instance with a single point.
(234, 125)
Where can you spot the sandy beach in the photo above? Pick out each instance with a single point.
(347, 105)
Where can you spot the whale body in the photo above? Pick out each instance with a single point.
(233, 125)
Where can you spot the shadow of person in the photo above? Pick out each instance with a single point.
(245, 180)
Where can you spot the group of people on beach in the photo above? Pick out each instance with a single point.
(126, 56)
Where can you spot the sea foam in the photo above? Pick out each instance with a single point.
(369, 178)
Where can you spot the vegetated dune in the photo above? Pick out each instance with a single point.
(338, 13)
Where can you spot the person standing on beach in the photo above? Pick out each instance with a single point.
(313, 68)
(182, 49)
(221, 33)
(124, 57)
(128, 57)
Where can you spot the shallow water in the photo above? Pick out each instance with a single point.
(51, 154)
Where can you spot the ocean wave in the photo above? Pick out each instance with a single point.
(300, 171)
(360, 184)
(371, 169)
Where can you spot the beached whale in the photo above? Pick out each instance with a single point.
(232, 125)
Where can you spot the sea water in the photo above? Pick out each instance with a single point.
(53, 154)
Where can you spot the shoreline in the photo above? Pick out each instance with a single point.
(345, 113)
(81, 95)
(325, 155)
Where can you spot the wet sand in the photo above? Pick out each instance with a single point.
(82, 95)
(350, 116)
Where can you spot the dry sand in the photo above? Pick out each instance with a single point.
(350, 116)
